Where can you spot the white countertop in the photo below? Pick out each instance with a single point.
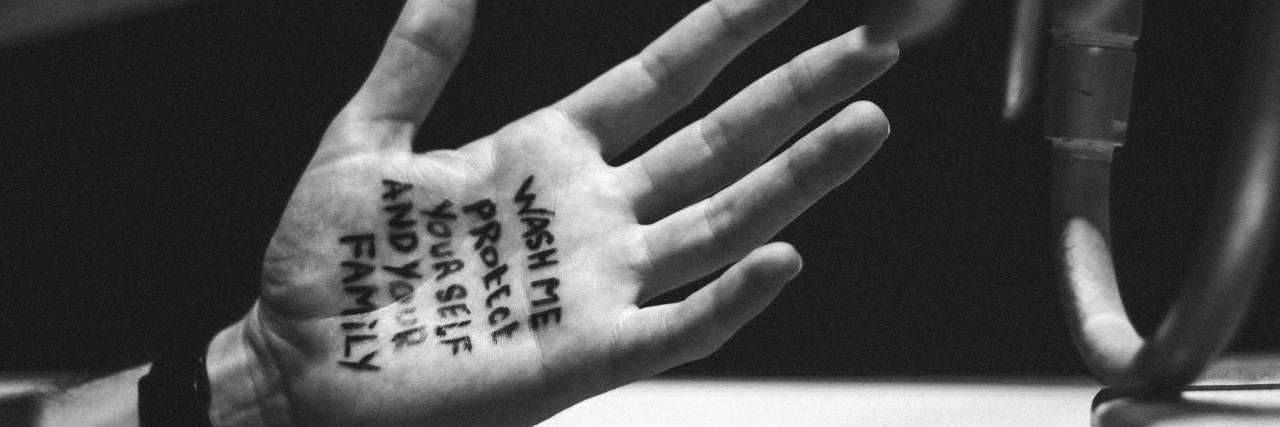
(930, 401)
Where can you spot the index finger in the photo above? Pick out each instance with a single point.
(421, 52)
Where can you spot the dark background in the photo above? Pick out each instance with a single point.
(146, 160)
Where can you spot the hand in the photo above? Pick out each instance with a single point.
(500, 282)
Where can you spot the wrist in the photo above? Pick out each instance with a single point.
(245, 386)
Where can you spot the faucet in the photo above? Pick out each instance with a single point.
(1089, 81)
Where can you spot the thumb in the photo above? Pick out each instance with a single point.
(658, 338)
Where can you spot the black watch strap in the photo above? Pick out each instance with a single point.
(175, 392)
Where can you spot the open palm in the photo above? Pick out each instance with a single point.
(501, 282)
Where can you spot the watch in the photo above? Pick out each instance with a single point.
(175, 392)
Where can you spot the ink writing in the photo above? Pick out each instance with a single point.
(538, 239)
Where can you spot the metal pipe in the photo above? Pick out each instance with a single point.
(1086, 125)
(906, 21)
(1024, 47)
(21, 21)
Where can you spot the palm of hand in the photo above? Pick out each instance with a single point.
(538, 314)
(500, 282)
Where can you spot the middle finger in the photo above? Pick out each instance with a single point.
(736, 137)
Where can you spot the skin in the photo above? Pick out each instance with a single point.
(704, 198)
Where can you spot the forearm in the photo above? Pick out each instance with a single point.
(242, 392)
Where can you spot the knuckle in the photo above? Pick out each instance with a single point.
(717, 218)
(800, 182)
(703, 350)
(799, 79)
(641, 255)
(712, 135)
(699, 343)
(667, 87)
(729, 21)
